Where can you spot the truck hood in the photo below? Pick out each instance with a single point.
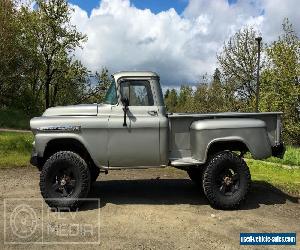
(73, 110)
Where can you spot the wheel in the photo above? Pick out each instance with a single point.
(94, 171)
(195, 175)
(226, 180)
(64, 180)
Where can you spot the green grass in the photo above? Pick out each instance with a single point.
(286, 179)
(291, 157)
(281, 173)
(15, 149)
(13, 119)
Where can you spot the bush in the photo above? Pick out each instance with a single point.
(10, 118)
(291, 157)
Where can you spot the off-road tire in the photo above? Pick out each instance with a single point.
(218, 163)
(82, 186)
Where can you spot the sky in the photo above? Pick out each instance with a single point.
(178, 39)
(155, 6)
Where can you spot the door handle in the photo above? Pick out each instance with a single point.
(152, 112)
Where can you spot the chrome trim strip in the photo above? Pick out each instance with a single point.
(66, 128)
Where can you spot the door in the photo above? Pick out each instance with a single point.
(136, 144)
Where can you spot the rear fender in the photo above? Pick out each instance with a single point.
(251, 133)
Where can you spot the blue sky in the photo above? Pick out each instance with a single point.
(155, 6)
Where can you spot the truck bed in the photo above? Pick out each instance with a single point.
(224, 114)
(180, 123)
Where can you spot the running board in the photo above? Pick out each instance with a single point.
(186, 161)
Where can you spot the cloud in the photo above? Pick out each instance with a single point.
(180, 48)
(28, 3)
(275, 12)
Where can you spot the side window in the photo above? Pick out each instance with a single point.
(138, 93)
(111, 94)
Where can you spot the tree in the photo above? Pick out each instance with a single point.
(185, 99)
(37, 64)
(57, 39)
(72, 85)
(216, 95)
(200, 99)
(281, 83)
(96, 92)
(171, 100)
(36, 55)
(238, 62)
(13, 60)
(166, 95)
(103, 83)
(216, 77)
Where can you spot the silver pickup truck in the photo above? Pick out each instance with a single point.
(132, 129)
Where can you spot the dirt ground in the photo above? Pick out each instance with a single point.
(139, 209)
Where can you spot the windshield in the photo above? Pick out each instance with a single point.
(111, 94)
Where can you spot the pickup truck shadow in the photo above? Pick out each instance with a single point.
(175, 191)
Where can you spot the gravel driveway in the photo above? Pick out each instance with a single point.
(146, 209)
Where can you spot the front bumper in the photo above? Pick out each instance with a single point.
(278, 150)
(35, 160)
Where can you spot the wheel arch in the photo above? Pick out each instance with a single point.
(67, 144)
(222, 144)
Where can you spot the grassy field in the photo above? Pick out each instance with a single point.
(291, 157)
(286, 179)
(15, 149)
(13, 119)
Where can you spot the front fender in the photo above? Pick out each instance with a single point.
(42, 139)
(90, 131)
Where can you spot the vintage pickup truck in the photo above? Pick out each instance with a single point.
(132, 129)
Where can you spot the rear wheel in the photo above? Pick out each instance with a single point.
(226, 180)
(64, 180)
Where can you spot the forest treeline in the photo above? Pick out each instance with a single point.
(38, 69)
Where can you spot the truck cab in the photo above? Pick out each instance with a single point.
(137, 121)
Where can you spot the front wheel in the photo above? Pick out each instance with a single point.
(65, 180)
(226, 180)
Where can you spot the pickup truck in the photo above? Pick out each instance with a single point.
(132, 129)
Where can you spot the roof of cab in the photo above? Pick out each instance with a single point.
(134, 74)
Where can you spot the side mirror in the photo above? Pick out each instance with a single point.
(125, 102)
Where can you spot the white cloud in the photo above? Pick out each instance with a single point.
(179, 47)
(275, 12)
(28, 3)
